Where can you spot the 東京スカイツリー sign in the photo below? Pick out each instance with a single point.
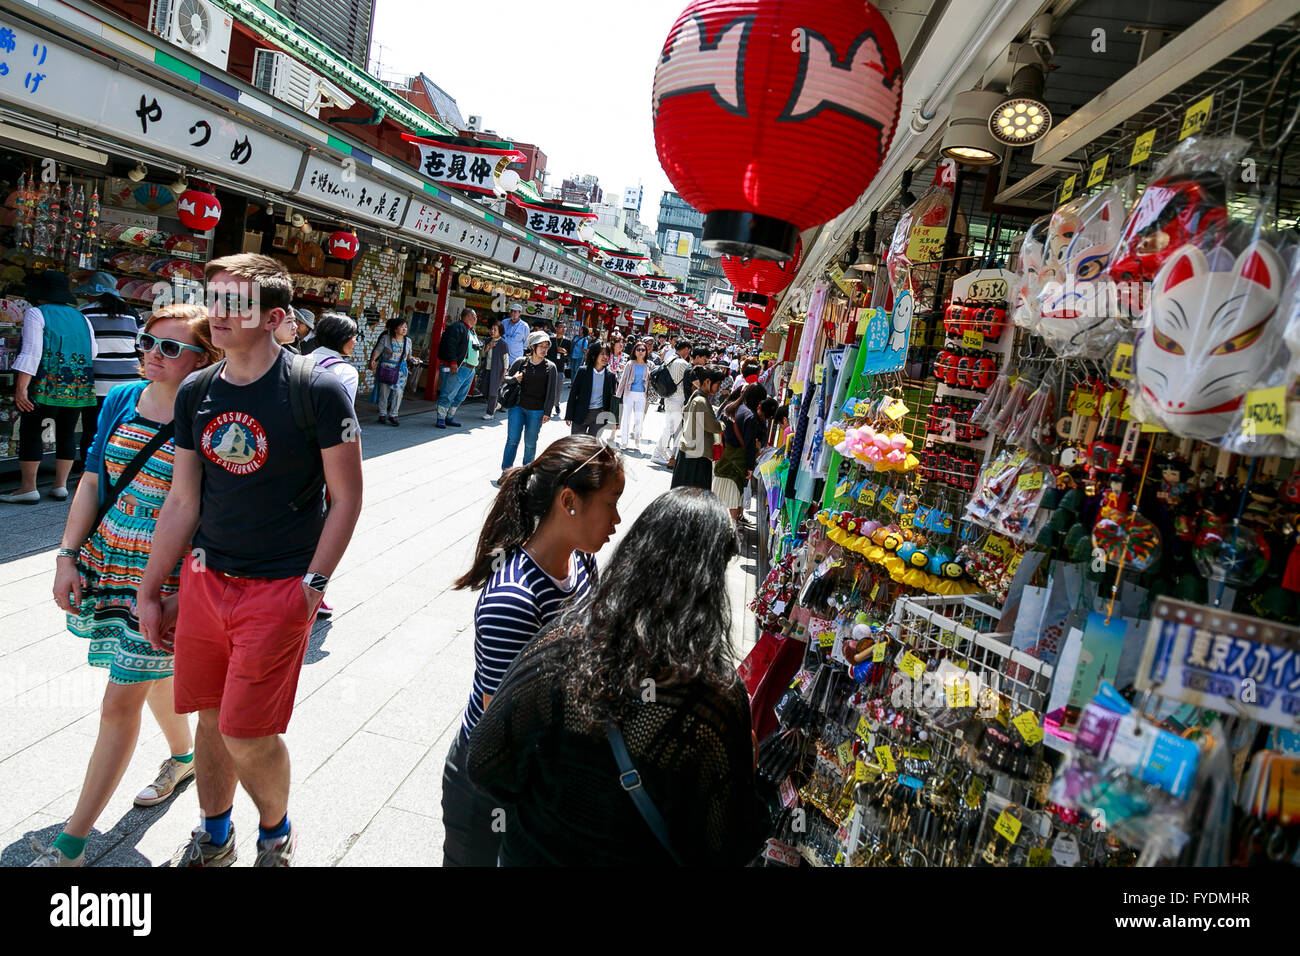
(1221, 661)
(461, 163)
(553, 222)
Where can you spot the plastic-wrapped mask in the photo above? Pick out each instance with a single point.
(1031, 265)
(1171, 212)
(1202, 352)
(1076, 301)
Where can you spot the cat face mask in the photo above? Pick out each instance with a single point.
(1076, 300)
(1202, 351)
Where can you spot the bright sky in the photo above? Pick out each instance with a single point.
(575, 83)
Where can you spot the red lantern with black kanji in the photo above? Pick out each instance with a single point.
(566, 299)
(198, 210)
(773, 116)
(755, 281)
(343, 245)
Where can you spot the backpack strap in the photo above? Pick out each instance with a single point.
(304, 417)
(196, 395)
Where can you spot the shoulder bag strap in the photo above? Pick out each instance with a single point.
(630, 780)
(132, 469)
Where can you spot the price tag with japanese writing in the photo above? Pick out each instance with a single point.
(863, 730)
(875, 590)
(1085, 402)
(1030, 729)
(1195, 117)
(1030, 481)
(896, 410)
(974, 793)
(1007, 827)
(1067, 188)
(1098, 171)
(1121, 366)
(890, 500)
(999, 546)
(879, 650)
(906, 520)
(1004, 712)
(867, 496)
(845, 752)
(843, 488)
(1142, 148)
(886, 759)
(825, 638)
(1265, 412)
(1040, 856)
(912, 666)
(916, 753)
(972, 340)
(860, 772)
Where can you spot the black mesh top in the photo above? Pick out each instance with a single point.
(560, 782)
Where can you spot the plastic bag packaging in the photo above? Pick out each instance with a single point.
(1078, 313)
(1025, 307)
(1210, 326)
(920, 227)
(1186, 198)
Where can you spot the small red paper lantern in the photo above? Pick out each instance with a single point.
(588, 304)
(198, 210)
(617, 313)
(736, 100)
(759, 318)
(343, 245)
(540, 293)
(603, 309)
(756, 280)
(566, 299)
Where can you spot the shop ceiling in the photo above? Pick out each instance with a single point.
(1159, 57)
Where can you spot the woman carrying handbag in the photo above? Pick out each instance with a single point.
(389, 361)
(106, 544)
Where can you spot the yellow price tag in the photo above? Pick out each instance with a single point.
(880, 649)
(1265, 412)
(1067, 188)
(1098, 171)
(1004, 712)
(818, 373)
(1121, 366)
(845, 752)
(874, 591)
(1030, 481)
(886, 759)
(863, 730)
(1007, 827)
(1142, 148)
(1030, 729)
(958, 693)
(972, 340)
(1014, 564)
(867, 496)
(912, 666)
(916, 753)
(1040, 856)
(999, 546)
(1085, 402)
(974, 792)
(1195, 117)
(826, 639)
(1148, 427)
(896, 410)
(859, 771)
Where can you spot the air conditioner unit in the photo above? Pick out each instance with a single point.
(475, 123)
(198, 26)
(290, 82)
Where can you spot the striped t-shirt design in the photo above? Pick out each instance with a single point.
(115, 332)
(517, 602)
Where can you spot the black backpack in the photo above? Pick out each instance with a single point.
(662, 380)
(304, 416)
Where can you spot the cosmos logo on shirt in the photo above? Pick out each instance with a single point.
(236, 442)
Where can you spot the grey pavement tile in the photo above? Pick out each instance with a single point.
(397, 838)
(329, 717)
(421, 791)
(15, 841)
(31, 778)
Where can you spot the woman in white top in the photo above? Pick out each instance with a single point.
(336, 337)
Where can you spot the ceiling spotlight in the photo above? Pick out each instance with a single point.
(967, 138)
(869, 261)
(1021, 117)
(137, 173)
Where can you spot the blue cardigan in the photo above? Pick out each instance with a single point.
(119, 405)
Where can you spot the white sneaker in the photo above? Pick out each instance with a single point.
(487, 417)
(171, 774)
(52, 856)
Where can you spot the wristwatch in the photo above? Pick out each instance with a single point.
(317, 582)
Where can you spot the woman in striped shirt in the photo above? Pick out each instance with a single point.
(116, 325)
(534, 557)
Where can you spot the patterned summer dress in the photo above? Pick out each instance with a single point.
(111, 562)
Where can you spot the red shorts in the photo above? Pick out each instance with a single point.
(239, 648)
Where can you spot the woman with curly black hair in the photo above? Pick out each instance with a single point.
(535, 555)
(638, 678)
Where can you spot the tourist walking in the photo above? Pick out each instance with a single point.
(534, 555)
(617, 360)
(515, 333)
(55, 381)
(458, 352)
(700, 430)
(336, 337)
(496, 353)
(629, 684)
(539, 382)
(106, 543)
(258, 438)
(678, 366)
(591, 398)
(116, 325)
(740, 443)
(631, 391)
(390, 360)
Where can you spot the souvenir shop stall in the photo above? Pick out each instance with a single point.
(1034, 524)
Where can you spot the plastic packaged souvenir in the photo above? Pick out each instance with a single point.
(1210, 331)
(919, 236)
(1076, 300)
(1025, 306)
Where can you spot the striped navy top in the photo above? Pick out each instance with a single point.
(115, 331)
(517, 602)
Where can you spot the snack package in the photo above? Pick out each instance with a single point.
(1209, 329)
(1186, 198)
(1076, 300)
(1025, 304)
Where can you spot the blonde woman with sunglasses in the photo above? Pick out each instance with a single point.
(100, 561)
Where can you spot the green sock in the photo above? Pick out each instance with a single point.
(184, 758)
(69, 846)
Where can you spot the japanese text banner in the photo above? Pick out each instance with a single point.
(460, 166)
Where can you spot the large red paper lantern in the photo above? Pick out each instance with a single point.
(566, 299)
(773, 116)
(755, 281)
(343, 245)
(540, 293)
(198, 210)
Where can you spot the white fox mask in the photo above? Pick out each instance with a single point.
(1075, 292)
(1202, 351)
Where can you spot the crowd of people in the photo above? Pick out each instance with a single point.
(222, 484)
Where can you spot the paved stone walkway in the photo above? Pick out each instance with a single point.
(382, 688)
